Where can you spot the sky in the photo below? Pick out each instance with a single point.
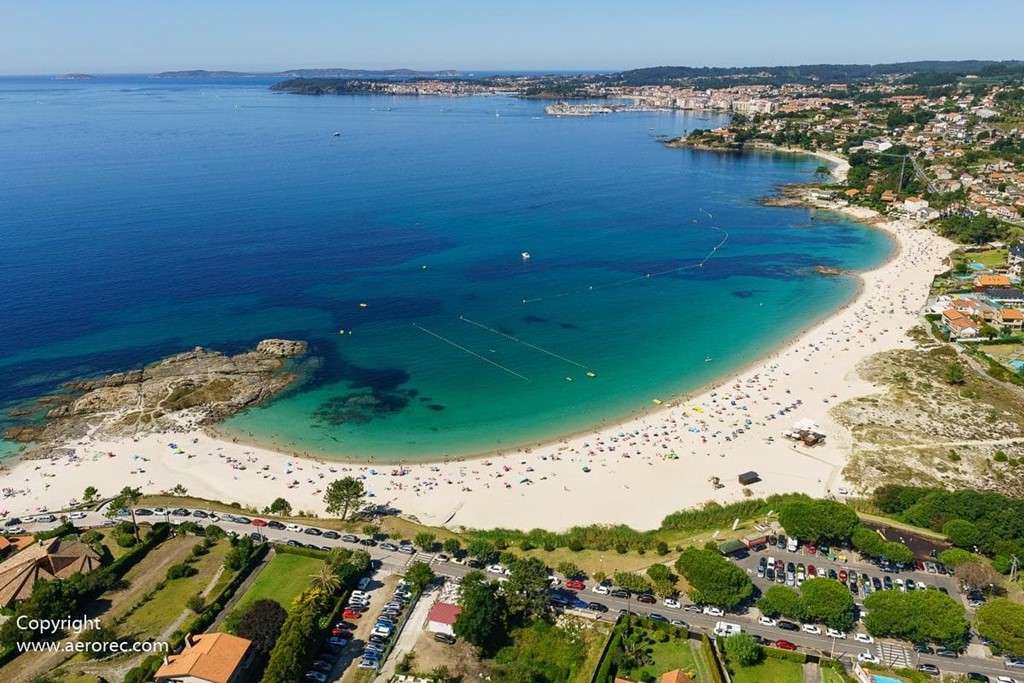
(145, 36)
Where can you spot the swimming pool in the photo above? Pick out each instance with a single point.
(885, 679)
(978, 266)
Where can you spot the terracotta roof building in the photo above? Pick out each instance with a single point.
(42, 561)
(442, 616)
(208, 658)
(992, 281)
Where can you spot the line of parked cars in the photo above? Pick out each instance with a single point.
(387, 621)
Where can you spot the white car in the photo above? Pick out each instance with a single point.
(554, 580)
(292, 527)
(864, 638)
(812, 629)
(496, 569)
(868, 658)
(600, 589)
(77, 515)
(767, 621)
(713, 611)
(833, 633)
(674, 604)
(1006, 679)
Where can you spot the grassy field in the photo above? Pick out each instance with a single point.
(775, 670)
(282, 579)
(596, 637)
(831, 676)
(153, 616)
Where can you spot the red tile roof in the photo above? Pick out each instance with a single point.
(443, 613)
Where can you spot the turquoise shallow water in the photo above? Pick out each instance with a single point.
(145, 217)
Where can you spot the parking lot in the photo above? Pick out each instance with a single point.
(853, 563)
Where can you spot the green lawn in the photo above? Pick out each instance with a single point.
(675, 654)
(992, 258)
(153, 616)
(774, 670)
(283, 579)
(831, 676)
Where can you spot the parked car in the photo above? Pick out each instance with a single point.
(620, 593)
(812, 629)
(331, 534)
(713, 611)
(784, 645)
(929, 669)
(975, 676)
(867, 658)
(445, 638)
(600, 589)
(351, 614)
(575, 584)
(946, 652)
(835, 633)
(766, 621)
(349, 538)
(864, 638)
(671, 603)
(787, 626)
(646, 598)
(597, 607)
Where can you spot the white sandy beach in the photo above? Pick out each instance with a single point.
(630, 480)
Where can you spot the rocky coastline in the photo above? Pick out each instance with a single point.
(181, 392)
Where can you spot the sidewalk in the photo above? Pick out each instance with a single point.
(410, 633)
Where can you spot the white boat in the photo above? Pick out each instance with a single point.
(526, 256)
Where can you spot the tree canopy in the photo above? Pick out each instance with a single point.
(1003, 622)
(743, 649)
(818, 520)
(344, 496)
(526, 590)
(922, 616)
(827, 602)
(482, 619)
(713, 579)
(261, 623)
(419, 574)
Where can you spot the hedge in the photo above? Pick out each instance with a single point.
(304, 552)
(604, 670)
(785, 655)
(712, 656)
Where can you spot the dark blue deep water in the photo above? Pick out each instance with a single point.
(142, 217)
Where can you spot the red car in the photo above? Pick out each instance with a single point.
(575, 584)
(811, 571)
(784, 645)
(351, 614)
(842, 576)
(341, 633)
(811, 548)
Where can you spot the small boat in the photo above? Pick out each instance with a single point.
(337, 133)
(362, 305)
(568, 379)
(526, 256)
(657, 401)
(586, 469)
(708, 359)
(591, 373)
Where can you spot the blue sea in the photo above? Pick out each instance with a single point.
(143, 217)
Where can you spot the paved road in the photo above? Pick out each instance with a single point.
(396, 562)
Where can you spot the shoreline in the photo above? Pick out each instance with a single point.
(662, 457)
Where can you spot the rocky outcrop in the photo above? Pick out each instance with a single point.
(183, 391)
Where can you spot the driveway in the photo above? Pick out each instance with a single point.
(414, 626)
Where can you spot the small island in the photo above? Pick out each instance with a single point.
(74, 77)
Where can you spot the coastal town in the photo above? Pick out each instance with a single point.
(845, 509)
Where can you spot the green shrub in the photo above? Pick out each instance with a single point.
(180, 571)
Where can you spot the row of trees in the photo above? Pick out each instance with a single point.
(822, 601)
(818, 520)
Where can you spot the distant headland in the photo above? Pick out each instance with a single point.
(311, 73)
(74, 77)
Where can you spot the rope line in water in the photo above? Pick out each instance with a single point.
(472, 353)
(524, 343)
(648, 276)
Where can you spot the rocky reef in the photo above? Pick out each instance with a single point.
(190, 389)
